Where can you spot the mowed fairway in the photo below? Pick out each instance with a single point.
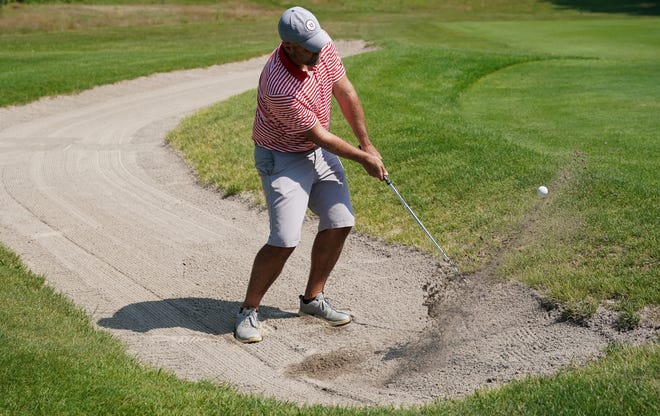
(471, 116)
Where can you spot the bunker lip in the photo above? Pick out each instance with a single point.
(91, 198)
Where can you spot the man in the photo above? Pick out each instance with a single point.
(296, 157)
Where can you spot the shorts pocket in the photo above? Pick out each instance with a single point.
(264, 161)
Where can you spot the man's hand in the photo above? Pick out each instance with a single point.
(376, 170)
(370, 160)
(374, 166)
(371, 149)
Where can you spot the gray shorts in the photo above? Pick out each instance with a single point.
(293, 182)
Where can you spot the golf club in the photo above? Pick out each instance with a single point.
(405, 204)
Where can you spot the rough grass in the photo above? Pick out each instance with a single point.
(24, 18)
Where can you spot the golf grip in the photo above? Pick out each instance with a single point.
(405, 204)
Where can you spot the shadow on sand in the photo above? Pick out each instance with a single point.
(211, 316)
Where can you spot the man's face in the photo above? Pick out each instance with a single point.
(300, 55)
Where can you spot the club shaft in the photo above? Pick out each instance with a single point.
(405, 204)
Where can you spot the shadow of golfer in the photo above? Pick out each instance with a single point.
(211, 316)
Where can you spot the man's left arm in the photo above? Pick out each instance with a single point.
(351, 108)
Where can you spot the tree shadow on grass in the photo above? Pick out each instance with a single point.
(211, 316)
(634, 7)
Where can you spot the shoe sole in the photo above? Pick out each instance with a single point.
(248, 340)
(332, 323)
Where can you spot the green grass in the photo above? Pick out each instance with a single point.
(52, 361)
(472, 104)
(595, 116)
(69, 47)
(607, 190)
(31, 66)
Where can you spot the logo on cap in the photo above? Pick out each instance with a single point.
(310, 25)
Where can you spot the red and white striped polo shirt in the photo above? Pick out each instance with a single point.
(290, 100)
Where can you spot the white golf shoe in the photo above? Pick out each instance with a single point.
(247, 326)
(319, 307)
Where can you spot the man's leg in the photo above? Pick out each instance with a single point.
(326, 250)
(267, 266)
(330, 200)
(325, 253)
(282, 177)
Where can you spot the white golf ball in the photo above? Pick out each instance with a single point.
(542, 190)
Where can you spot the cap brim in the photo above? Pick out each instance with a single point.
(316, 42)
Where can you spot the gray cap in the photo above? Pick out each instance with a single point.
(298, 25)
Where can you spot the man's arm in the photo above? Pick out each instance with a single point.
(351, 108)
(334, 144)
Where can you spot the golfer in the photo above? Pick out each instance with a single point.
(296, 157)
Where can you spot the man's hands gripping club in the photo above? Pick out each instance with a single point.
(369, 158)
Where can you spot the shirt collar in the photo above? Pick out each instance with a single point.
(298, 73)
